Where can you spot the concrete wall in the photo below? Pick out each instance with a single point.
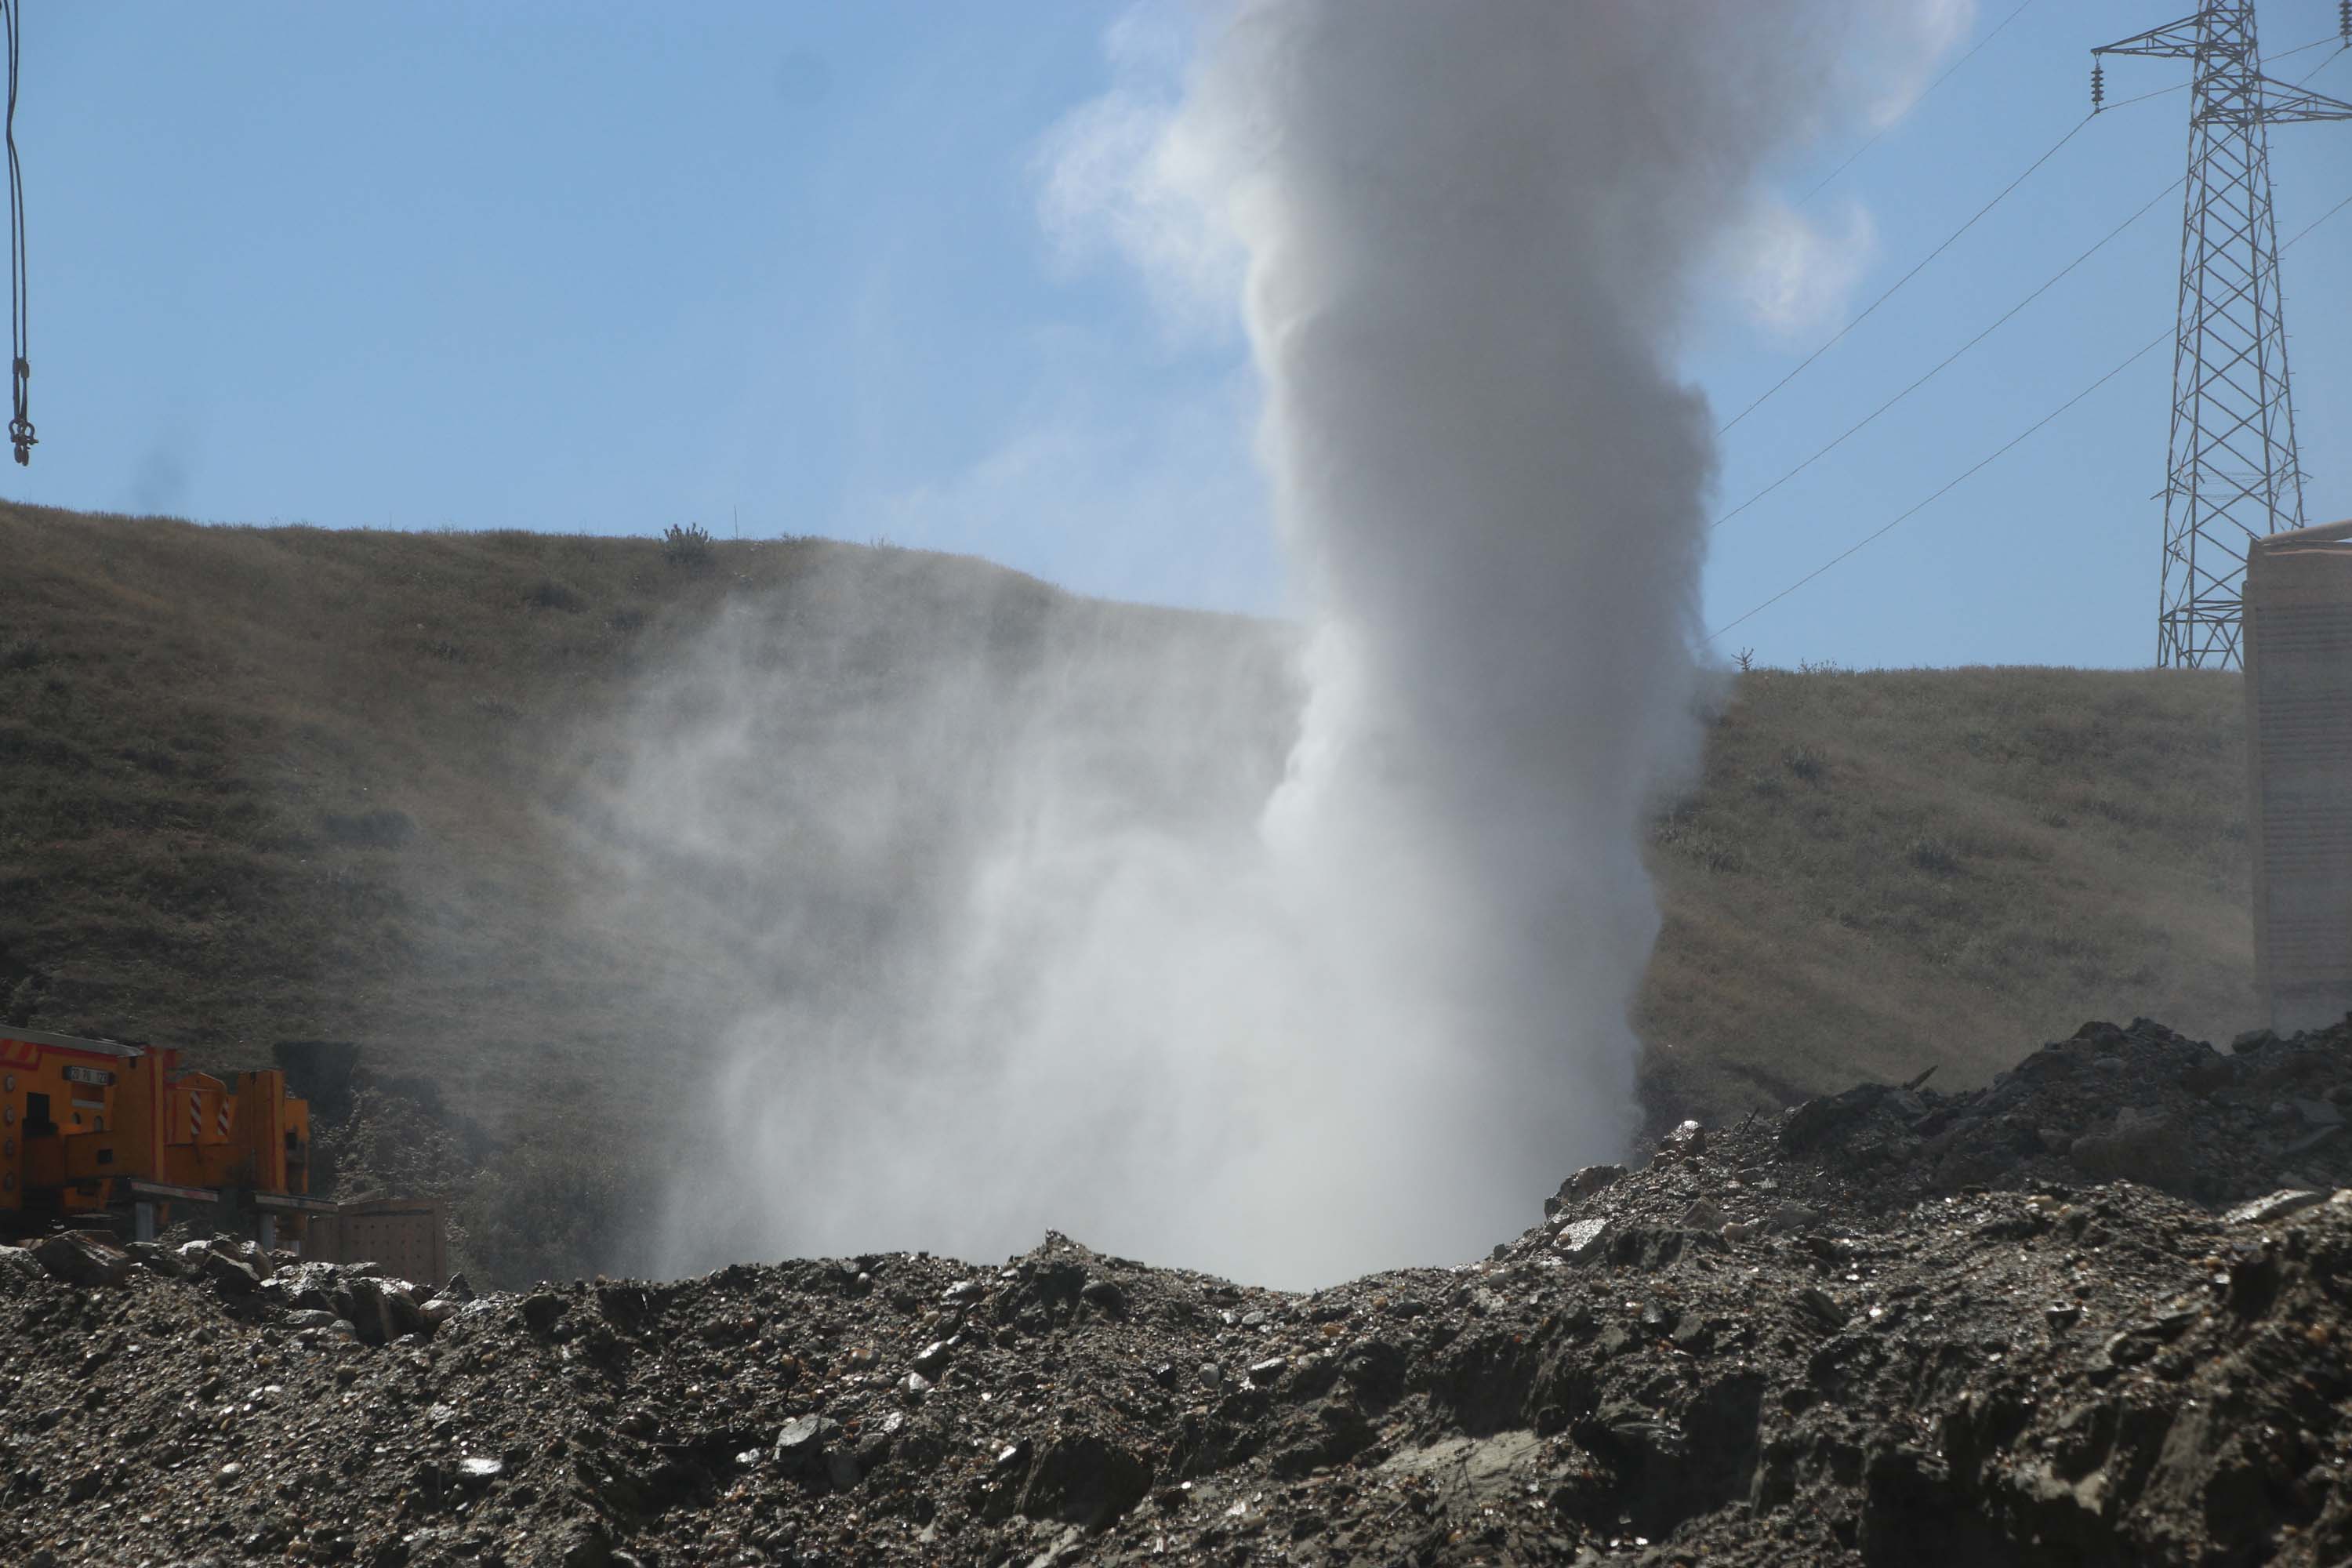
(2298, 656)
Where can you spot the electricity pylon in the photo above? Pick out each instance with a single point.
(2231, 468)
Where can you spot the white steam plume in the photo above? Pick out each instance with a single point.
(1029, 924)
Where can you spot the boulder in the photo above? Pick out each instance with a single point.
(1586, 1182)
(1818, 1122)
(1581, 1238)
(381, 1310)
(158, 1259)
(1085, 1481)
(305, 1287)
(230, 1275)
(80, 1258)
(801, 1446)
(2143, 1146)
(2277, 1205)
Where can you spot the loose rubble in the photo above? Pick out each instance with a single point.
(2094, 1313)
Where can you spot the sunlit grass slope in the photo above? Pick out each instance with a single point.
(259, 785)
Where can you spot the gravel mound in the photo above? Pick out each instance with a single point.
(2071, 1318)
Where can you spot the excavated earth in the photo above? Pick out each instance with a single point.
(2094, 1313)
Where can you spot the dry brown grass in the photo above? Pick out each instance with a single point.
(282, 784)
(269, 784)
(1892, 870)
(278, 784)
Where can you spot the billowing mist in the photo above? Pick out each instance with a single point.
(1285, 951)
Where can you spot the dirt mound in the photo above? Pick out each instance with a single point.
(2139, 1104)
(1891, 1327)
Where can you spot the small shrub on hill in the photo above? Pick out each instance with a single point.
(548, 593)
(1934, 856)
(686, 544)
(1807, 765)
(1681, 831)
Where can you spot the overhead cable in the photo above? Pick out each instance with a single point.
(1942, 365)
(1987, 461)
(1914, 103)
(1806, 363)
(1948, 485)
(1949, 239)
(2315, 222)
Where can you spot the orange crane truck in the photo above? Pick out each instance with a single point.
(88, 1127)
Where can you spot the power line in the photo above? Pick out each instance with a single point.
(1941, 366)
(1999, 452)
(1840, 335)
(2306, 48)
(2184, 87)
(1803, 365)
(1948, 488)
(2143, 97)
(2230, 470)
(2322, 65)
(1914, 103)
(2315, 222)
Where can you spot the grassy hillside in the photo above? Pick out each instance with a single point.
(259, 785)
(263, 784)
(1888, 871)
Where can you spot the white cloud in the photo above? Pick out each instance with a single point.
(1792, 274)
(1122, 175)
(1167, 508)
(1910, 50)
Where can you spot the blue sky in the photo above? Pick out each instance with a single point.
(604, 268)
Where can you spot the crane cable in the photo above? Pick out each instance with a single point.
(20, 424)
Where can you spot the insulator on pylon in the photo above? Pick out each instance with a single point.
(2099, 80)
(2344, 21)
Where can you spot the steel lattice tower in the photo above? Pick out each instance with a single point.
(2231, 468)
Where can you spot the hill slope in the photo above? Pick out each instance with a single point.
(260, 785)
(1882, 871)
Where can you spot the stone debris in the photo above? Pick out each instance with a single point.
(1893, 1326)
(2278, 1205)
(78, 1257)
(1584, 1184)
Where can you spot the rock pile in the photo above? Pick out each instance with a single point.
(2071, 1318)
(2138, 1104)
